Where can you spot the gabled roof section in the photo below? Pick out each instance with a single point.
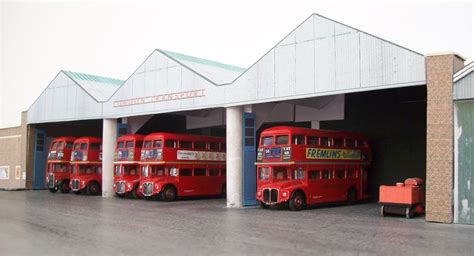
(466, 70)
(99, 87)
(216, 72)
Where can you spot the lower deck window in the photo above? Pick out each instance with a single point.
(314, 175)
(185, 172)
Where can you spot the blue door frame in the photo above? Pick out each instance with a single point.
(39, 159)
(249, 176)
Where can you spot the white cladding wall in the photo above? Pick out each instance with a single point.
(160, 75)
(464, 88)
(64, 100)
(322, 57)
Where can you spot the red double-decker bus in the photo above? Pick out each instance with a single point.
(181, 165)
(301, 166)
(126, 165)
(57, 165)
(86, 166)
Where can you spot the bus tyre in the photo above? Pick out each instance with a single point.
(135, 193)
(224, 191)
(297, 201)
(53, 190)
(77, 192)
(64, 186)
(264, 205)
(93, 188)
(351, 196)
(120, 195)
(382, 210)
(409, 212)
(169, 193)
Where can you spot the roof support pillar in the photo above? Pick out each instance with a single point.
(439, 135)
(234, 156)
(109, 137)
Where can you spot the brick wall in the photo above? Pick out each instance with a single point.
(13, 154)
(439, 140)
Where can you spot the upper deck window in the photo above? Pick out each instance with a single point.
(325, 141)
(214, 146)
(95, 146)
(298, 139)
(147, 144)
(84, 146)
(60, 145)
(54, 145)
(170, 143)
(185, 144)
(157, 143)
(312, 140)
(129, 144)
(337, 142)
(362, 144)
(77, 146)
(120, 144)
(350, 143)
(281, 140)
(200, 145)
(267, 141)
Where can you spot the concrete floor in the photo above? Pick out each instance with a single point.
(41, 223)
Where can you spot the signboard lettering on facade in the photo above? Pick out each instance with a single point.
(326, 153)
(160, 98)
(200, 155)
(4, 172)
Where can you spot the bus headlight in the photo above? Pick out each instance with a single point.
(259, 193)
(129, 185)
(157, 187)
(285, 194)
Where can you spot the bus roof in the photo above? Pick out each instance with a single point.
(308, 131)
(88, 140)
(183, 136)
(137, 137)
(64, 139)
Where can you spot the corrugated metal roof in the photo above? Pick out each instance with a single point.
(99, 87)
(464, 83)
(217, 72)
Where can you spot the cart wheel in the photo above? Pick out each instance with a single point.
(382, 210)
(409, 212)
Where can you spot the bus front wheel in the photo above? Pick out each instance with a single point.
(64, 186)
(169, 193)
(53, 190)
(297, 201)
(93, 188)
(351, 196)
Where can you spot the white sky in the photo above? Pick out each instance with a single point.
(37, 39)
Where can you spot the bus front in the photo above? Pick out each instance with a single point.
(277, 177)
(126, 166)
(152, 169)
(86, 166)
(57, 168)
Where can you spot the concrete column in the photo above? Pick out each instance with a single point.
(440, 69)
(234, 117)
(315, 124)
(109, 138)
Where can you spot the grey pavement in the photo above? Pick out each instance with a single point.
(41, 223)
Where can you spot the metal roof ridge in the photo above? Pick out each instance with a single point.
(94, 78)
(182, 56)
